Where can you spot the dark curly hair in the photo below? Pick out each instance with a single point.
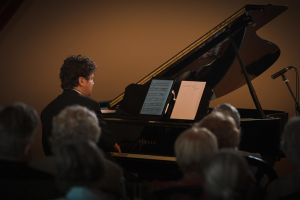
(73, 68)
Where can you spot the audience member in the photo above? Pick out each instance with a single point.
(226, 177)
(290, 145)
(223, 127)
(193, 149)
(18, 124)
(74, 123)
(79, 175)
(79, 123)
(229, 110)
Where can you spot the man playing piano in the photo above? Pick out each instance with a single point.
(76, 75)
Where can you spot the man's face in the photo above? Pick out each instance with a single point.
(89, 86)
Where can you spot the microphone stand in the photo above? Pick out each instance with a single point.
(288, 85)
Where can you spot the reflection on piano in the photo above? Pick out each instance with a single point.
(226, 58)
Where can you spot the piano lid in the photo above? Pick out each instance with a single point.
(212, 59)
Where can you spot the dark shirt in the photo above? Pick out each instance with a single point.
(19, 181)
(68, 98)
(284, 186)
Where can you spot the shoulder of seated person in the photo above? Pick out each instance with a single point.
(45, 164)
(113, 168)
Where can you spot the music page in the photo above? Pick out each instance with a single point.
(188, 99)
(156, 97)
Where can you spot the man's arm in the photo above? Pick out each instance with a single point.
(107, 141)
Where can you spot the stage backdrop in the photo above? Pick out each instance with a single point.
(128, 39)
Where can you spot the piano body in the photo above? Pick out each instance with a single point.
(226, 58)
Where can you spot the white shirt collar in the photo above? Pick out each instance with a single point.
(77, 91)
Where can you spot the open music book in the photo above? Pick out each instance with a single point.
(188, 99)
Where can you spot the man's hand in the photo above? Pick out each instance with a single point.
(117, 148)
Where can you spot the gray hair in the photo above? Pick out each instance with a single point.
(228, 109)
(74, 123)
(79, 163)
(291, 140)
(223, 127)
(226, 177)
(193, 148)
(18, 123)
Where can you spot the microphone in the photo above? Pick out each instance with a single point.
(281, 72)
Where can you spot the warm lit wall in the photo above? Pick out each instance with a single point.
(129, 39)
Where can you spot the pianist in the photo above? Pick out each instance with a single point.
(76, 75)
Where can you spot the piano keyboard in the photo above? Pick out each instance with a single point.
(142, 156)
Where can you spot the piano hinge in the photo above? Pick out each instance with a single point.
(173, 92)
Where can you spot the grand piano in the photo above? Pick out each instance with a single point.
(226, 58)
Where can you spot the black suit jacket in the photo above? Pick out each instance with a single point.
(68, 98)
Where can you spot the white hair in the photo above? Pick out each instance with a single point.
(226, 177)
(193, 148)
(79, 163)
(291, 140)
(223, 127)
(74, 123)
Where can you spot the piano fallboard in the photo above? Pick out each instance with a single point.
(157, 138)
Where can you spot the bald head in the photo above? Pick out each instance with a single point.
(223, 127)
(228, 109)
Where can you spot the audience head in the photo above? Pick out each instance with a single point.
(291, 140)
(228, 109)
(74, 123)
(193, 148)
(79, 163)
(18, 123)
(77, 71)
(223, 127)
(227, 177)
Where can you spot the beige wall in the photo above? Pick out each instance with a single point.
(129, 39)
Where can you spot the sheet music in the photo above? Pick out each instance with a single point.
(188, 99)
(156, 97)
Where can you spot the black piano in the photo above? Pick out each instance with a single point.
(226, 58)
